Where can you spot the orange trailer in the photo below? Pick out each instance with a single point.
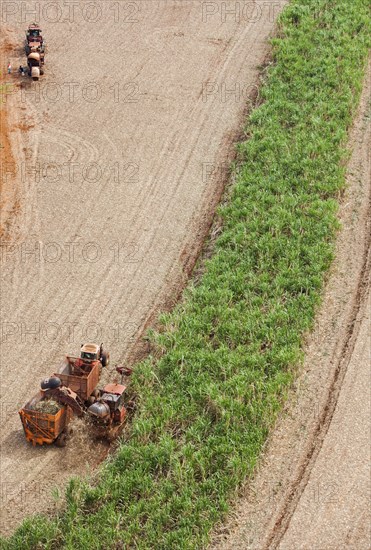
(80, 375)
(40, 427)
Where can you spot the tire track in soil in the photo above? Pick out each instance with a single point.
(299, 484)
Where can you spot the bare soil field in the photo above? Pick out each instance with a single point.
(129, 134)
(312, 489)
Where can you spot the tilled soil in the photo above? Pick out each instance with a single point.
(8, 186)
(312, 489)
(134, 122)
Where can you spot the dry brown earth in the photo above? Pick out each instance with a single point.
(9, 204)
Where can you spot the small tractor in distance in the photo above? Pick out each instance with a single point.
(93, 352)
(35, 51)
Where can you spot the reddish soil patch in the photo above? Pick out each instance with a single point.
(8, 199)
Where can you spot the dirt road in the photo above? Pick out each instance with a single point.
(312, 490)
(134, 121)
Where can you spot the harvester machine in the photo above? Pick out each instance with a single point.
(108, 413)
(73, 390)
(45, 418)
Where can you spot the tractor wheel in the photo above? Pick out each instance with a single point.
(61, 440)
(131, 405)
(111, 436)
(104, 358)
(114, 432)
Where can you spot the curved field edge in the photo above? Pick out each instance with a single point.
(223, 360)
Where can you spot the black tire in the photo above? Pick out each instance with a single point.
(104, 359)
(61, 440)
(130, 407)
(51, 383)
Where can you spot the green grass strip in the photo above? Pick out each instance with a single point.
(231, 348)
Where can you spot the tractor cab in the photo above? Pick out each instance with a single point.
(91, 352)
(34, 40)
(33, 33)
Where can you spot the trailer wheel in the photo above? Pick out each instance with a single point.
(61, 440)
(51, 383)
(104, 358)
(131, 405)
